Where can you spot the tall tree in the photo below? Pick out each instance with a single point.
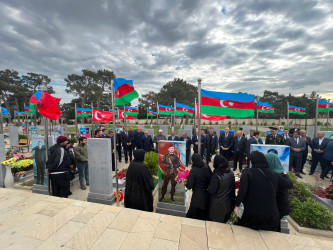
(35, 81)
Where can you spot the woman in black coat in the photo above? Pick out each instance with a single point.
(222, 191)
(139, 184)
(198, 181)
(257, 192)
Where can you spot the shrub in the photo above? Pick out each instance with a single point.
(229, 122)
(283, 123)
(151, 161)
(22, 137)
(311, 214)
(243, 123)
(298, 191)
(265, 123)
(216, 123)
(273, 123)
(251, 123)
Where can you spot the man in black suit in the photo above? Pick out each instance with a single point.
(137, 134)
(211, 144)
(285, 135)
(318, 146)
(195, 141)
(297, 146)
(307, 140)
(239, 149)
(127, 141)
(118, 145)
(252, 140)
(188, 146)
(226, 143)
(292, 130)
(147, 142)
(173, 137)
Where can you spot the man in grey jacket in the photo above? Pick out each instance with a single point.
(297, 146)
(81, 154)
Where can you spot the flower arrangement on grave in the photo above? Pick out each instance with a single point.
(182, 177)
(121, 195)
(22, 165)
(9, 162)
(21, 173)
(121, 174)
(326, 193)
(237, 183)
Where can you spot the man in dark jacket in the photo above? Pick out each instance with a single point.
(297, 146)
(157, 138)
(211, 144)
(58, 167)
(252, 140)
(308, 142)
(226, 143)
(292, 130)
(147, 142)
(328, 160)
(81, 153)
(274, 138)
(118, 145)
(319, 145)
(239, 149)
(127, 141)
(110, 135)
(188, 141)
(137, 137)
(195, 141)
(173, 136)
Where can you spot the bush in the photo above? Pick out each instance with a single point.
(283, 123)
(298, 191)
(311, 214)
(151, 161)
(216, 123)
(229, 122)
(251, 123)
(22, 137)
(243, 123)
(265, 123)
(273, 123)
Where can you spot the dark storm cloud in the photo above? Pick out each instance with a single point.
(254, 44)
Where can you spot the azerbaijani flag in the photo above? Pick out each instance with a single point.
(115, 111)
(26, 108)
(5, 114)
(83, 112)
(165, 110)
(29, 110)
(324, 106)
(47, 104)
(3, 109)
(264, 107)
(151, 113)
(124, 91)
(296, 110)
(131, 110)
(182, 109)
(209, 117)
(228, 104)
(19, 113)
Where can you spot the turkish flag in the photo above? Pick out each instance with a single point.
(121, 115)
(101, 116)
(209, 117)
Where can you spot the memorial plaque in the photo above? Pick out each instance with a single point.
(13, 135)
(181, 131)
(165, 129)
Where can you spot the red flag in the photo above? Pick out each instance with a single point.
(101, 116)
(121, 115)
(47, 104)
(209, 117)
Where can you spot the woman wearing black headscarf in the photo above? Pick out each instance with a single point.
(222, 191)
(139, 184)
(198, 181)
(257, 192)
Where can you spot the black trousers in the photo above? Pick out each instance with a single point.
(40, 172)
(295, 161)
(128, 151)
(238, 158)
(226, 153)
(315, 159)
(304, 156)
(60, 184)
(119, 152)
(188, 153)
(327, 167)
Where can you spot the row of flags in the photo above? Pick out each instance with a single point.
(214, 105)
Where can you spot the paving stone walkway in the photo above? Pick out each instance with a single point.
(33, 221)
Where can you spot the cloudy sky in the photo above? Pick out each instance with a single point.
(243, 45)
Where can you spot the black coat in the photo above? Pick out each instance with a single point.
(315, 144)
(198, 181)
(188, 143)
(53, 164)
(139, 187)
(129, 138)
(137, 139)
(176, 138)
(226, 142)
(203, 142)
(241, 146)
(259, 199)
(222, 196)
(284, 183)
(147, 143)
(211, 142)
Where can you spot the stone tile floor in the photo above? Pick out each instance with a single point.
(33, 221)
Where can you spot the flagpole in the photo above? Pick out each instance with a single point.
(115, 140)
(288, 114)
(1, 121)
(195, 106)
(257, 115)
(328, 114)
(174, 117)
(199, 116)
(316, 117)
(147, 117)
(124, 117)
(157, 116)
(76, 121)
(92, 123)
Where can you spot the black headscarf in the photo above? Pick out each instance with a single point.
(197, 161)
(139, 155)
(258, 160)
(220, 164)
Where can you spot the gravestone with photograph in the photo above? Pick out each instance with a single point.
(181, 131)
(34, 131)
(13, 135)
(310, 131)
(217, 130)
(100, 171)
(188, 127)
(2, 158)
(165, 129)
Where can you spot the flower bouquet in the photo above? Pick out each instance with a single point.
(182, 177)
(326, 193)
(121, 195)
(237, 183)
(22, 165)
(121, 174)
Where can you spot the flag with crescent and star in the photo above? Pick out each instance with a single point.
(228, 104)
(131, 110)
(324, 106)
(209, 117)
(101, 116)
(165, 110)
(182, 109)
(296, 110)
(122, 115)
(47, 105)
(264, 107)
(151, 113)
(83, 112)
(124, 91)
